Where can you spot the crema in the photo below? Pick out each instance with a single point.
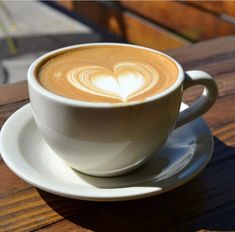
(108, 74)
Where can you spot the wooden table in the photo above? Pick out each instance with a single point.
(207, 202)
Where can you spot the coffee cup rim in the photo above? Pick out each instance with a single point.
(34, 83)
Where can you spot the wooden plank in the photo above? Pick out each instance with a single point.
(130, 27)
(224, 142)
(205, 51)
(184, 19)
(18, 92)
(7, 178)
(64, 225)
(31, 209)
(221, 113)
(25, 211)
(216, 220)
(219, 7)
(7, 110)
(141, 32)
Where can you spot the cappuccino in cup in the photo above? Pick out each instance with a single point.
(110, 74)
(107, 108)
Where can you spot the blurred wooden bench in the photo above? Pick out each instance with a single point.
(161, 25)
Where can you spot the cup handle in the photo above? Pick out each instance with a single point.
(205, 102)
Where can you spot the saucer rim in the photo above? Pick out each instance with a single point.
(111, 194)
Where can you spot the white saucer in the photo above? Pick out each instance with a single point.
(185, 154)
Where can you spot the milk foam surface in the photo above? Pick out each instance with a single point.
(108, 74)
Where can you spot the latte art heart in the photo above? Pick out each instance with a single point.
(126, 80)
(107, 74)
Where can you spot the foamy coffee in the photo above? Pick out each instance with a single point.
(108, 74)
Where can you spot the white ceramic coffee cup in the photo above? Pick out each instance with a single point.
(101, 139)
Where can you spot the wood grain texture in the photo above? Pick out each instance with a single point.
(206, 203)
(8, 109)
(126, 25)
(219, 7)
(64, 225)
(10, 183)
(18, 92)
(184, 19)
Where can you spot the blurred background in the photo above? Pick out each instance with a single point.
(28, 29)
